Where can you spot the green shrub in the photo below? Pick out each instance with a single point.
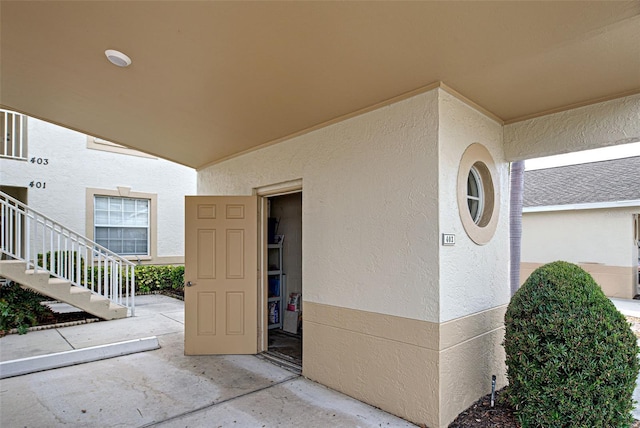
(149, 278)
(177, 278)
(20, 308)
(572, 358)
(157, 278)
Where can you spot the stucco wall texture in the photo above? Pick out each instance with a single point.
(370, 206)
(589, 127)
(602, 236)
(379, 190)
(72, 168)
(473, 277)
(601, 241)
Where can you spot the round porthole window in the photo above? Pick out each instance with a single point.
(477, 195)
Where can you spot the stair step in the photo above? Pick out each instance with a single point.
(99, 300)
(39, 272)
(58, 286)
(117, 311)
(62, 290)
(12, 262)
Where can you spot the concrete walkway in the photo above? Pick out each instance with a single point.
(163, 387)
(627, 306)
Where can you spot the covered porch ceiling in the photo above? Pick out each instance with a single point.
(210, 80)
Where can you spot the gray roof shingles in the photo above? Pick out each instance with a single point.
(605, 181)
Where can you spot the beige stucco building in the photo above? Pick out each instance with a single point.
(397, 123)
(391, 315)
(585, 214)
(63, 174)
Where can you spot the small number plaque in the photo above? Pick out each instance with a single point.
(448, 239)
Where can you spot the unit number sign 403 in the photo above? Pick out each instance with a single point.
(448, 239)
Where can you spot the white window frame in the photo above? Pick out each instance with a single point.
(125, 192)
(479, 197)
(109, 225)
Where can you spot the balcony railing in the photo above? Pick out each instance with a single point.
(14, 135)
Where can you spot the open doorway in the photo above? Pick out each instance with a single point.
(284, 278)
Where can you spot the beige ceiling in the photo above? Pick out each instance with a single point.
(213, 79)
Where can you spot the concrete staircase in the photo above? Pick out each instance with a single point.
(61, 290)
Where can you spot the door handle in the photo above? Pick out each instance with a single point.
(189, 283)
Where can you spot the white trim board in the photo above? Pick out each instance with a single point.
(586, 206)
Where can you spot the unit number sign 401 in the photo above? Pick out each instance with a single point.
(448, 239)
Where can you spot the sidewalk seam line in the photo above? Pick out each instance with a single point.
(65, 339)
(174, 320)
(171, 418)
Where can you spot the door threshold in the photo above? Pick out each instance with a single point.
(283, 361)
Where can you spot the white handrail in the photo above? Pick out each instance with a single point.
(14, 135)
(27, 235)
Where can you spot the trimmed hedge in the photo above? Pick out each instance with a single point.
(572, 358)
(151, 278)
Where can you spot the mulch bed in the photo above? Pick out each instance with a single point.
(502, 415)
(481, 414)
(52, 319)
(61, 318)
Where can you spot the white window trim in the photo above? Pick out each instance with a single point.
(480, 198)
(147, 226)
(125, 192)
(482, 230)
(584, 206)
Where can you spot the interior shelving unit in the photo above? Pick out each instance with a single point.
(276, 286)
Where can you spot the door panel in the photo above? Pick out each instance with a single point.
(235, 312)
(221, 264)
(206, 313)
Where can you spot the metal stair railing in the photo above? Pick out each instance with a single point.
(45, 245)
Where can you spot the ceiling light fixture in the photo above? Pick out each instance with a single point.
(117, 58)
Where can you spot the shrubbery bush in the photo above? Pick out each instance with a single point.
(157, 278)
(572, 358)
(20, 308)
(149, 278)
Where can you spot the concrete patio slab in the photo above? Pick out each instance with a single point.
(101, 333)
(165, 387)
(154, 304)
(132, 390)
(34, 343)
(176, 316)
(292, 403)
